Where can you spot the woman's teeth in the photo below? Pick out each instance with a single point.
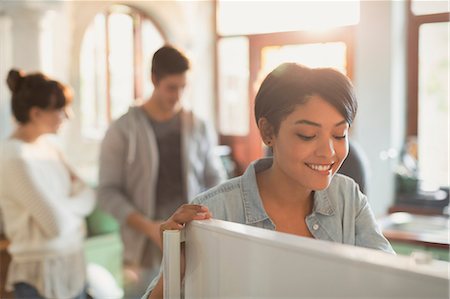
(320, 167)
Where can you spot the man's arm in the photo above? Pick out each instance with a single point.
(214, 171)
(146, 226)
(111, 195)
(110, 191)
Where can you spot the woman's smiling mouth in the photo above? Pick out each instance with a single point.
(320, 167)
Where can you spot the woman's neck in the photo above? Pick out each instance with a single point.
(27, 133)
(276, 189)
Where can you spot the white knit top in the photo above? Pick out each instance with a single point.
(43, 209)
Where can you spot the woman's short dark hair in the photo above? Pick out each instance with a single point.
(168, 61)
(291, 84)
(35, 90)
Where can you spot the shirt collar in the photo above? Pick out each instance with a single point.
(253, 207)
(322, 203)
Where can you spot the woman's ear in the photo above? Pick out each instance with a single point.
(266, 131)
(34, 113)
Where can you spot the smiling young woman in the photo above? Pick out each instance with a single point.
(303, 115)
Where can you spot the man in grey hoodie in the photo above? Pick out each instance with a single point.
(153, 159)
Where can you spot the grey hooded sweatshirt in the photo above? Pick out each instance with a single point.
(128, 173)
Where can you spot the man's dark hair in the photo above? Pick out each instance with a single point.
(168, 61)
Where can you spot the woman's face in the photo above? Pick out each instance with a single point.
(49, 121)
(311, 144)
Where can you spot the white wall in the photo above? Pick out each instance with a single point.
(380, 70)
(5, 65)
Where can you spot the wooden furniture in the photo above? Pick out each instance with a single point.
(409, 232)
(5, 259)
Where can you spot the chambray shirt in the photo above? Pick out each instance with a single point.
(340, 213)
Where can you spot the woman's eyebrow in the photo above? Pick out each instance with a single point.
(343, 122)
(311, 123)
(307, 122)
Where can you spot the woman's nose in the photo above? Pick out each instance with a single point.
(68, 112)
(326, 148)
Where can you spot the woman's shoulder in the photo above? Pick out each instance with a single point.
(224, 200)
(12, 149)
(16, 149)
(220, 192)
(344, 191)
(343, 183)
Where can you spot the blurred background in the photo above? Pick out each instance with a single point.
(395, 52)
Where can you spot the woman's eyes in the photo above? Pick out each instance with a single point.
(311, 137)
(306, 137)
(340, 137)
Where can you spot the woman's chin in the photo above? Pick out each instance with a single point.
(319, 186)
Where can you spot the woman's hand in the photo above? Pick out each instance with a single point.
(177, 221)
(184, 214)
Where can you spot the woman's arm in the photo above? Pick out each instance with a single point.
(83, 202)
(21, 183)
(368, 233)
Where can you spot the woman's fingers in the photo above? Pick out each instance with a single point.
(185, 214)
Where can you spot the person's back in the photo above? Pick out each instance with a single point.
(43, 202)
(153, 159)
(356, 166)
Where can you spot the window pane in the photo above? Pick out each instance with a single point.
(151, 41)
(120, 60)
(233, 86)
(93, 80)
(433, 132)
(421, 7)
(331, 54)
(250, 17)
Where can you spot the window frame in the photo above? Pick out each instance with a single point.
(246, 149)
(414, 23)
(138, 17)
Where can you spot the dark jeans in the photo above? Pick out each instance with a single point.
(26, 291)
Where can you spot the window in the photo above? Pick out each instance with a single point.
(233, 86)
(329, 54)
(115, 66)
(256, 17)
(309, 33)
(428, 92)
